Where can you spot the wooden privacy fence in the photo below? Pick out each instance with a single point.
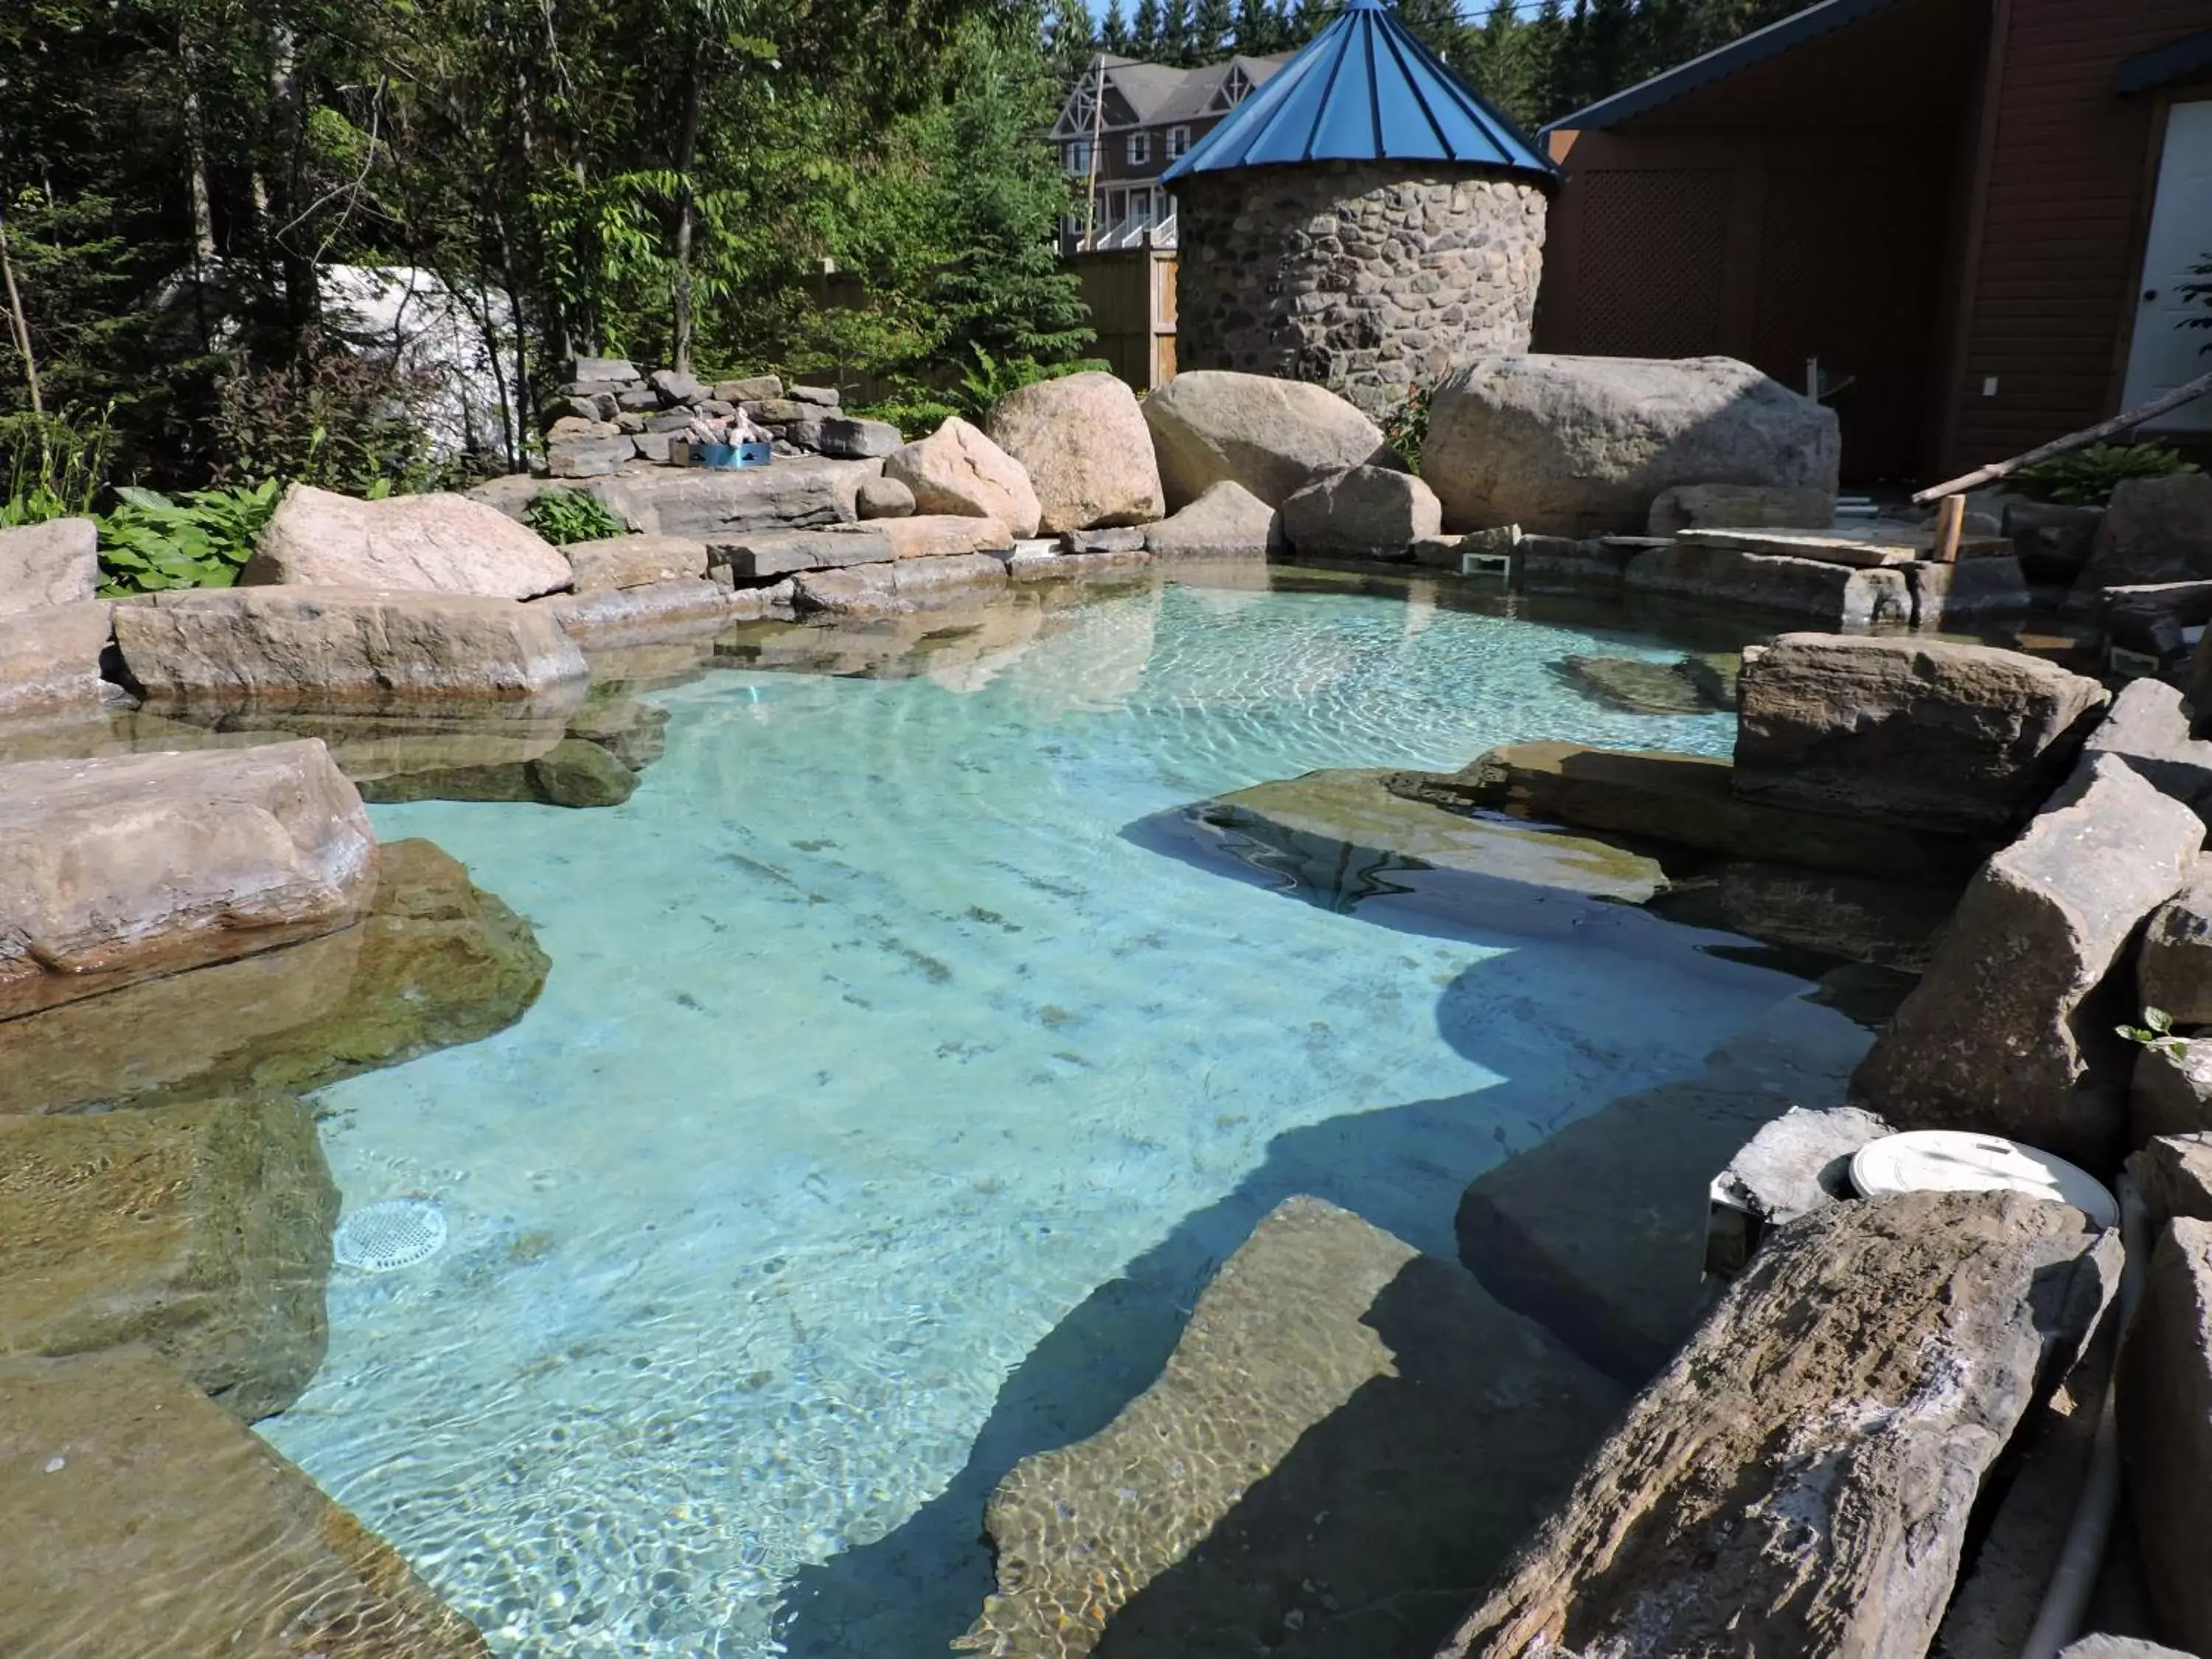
(1132, 295)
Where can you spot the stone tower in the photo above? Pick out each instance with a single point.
(1365, 220)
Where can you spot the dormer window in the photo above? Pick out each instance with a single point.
(1141, 147)
(1178, 143)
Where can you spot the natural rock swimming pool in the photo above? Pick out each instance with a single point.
(903, 1073)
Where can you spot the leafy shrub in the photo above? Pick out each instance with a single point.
(151, 541)
(2089, 477)
(330, 417)
(2156, 1032)
(1406, 427)
(56, 466)
(563, 516)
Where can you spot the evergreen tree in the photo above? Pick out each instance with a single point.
(1175, 34)
(1211, 26)
(1145, 43)
(1070, 42)
(1255, 28)
(1309, 18)
(1114, 31)
(1436, 24)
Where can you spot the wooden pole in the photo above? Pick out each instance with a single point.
(2199, 387)
(1098, 124)
(1950, 524)
(19, 325)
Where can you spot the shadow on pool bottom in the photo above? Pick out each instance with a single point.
(921, 1587)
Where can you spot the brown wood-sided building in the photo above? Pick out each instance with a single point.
(1973, 214)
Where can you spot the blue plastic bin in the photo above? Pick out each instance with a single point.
(732, 455)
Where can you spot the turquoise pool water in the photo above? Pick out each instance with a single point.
(899, 1079)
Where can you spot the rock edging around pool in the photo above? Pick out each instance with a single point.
(166, 1213)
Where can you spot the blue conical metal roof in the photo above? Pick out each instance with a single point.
(1364, 89)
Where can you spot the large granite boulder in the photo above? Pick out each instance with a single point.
(2173, 968)
(2005, 1032)
(445, 543)
(1800, 1479)
(1960, 737)
(1364, 513)
(164, 1527)
(1273, 437)
(1227, 521)
(634, 561)
(1740, 507)
(2165, 1430)
(958, 469)
(57, 562)
(334, 649)
(2147, 726)
(203, 1230)
(1082, 440)
(1339, 835)
(2154, 530)
(2170, 1092)
(1580, 446)
(49, 660)
(436, 962)
(1345, 1424)
(118, 869)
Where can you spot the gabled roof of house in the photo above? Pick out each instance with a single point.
(1718, 64)
(1364, 89)
(1156, 94)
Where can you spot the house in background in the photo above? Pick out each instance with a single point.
(1968, 218)
(1121, 128)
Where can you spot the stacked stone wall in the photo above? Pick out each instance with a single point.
(1367, 279)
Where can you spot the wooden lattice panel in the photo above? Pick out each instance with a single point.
(1650, 266)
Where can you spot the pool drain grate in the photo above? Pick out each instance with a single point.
(391, 1234)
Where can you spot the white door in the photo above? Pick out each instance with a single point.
(2164, 355)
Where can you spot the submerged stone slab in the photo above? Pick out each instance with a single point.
(1966, 738)
(1800, 1479)
(1688, 686)
(2005, 1032)
(118, 869)
(1316, 820)
(163, 1526)
(1838, 596)
(437, 961)
(1345, 1425)
(1691, 799)
(203, 1231)
(1598, 1232)
(342, 650)
(49, 660)
(572, 772)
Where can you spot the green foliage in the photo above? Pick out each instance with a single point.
(2087, 476)
(327, 417)
(2156, 1032)
(563, 516)
(55, 466)
(201, 539)
(1406, 427)
(989, 379)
